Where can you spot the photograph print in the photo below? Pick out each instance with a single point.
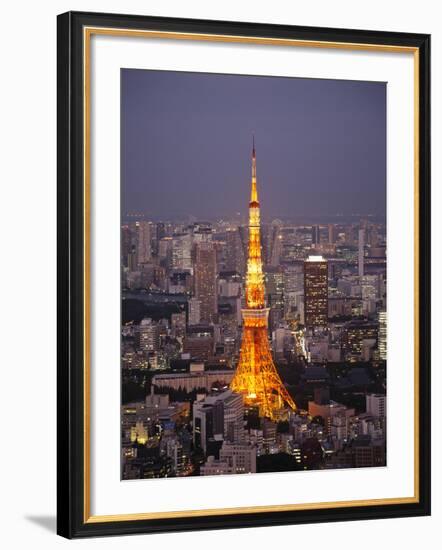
(253, 274)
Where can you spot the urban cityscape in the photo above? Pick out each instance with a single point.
(252, 346)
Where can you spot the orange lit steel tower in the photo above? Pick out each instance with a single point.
(256, 376)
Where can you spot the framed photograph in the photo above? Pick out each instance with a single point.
(243, 274)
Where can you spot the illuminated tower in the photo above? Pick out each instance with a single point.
(256, 376)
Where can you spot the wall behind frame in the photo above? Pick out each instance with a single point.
(28, 282)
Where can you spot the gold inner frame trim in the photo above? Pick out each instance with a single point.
(134, 33)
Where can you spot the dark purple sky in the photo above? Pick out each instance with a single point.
(186, 144)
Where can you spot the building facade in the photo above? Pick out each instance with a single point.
(315, 292)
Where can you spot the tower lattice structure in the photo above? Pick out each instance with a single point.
(256, 376)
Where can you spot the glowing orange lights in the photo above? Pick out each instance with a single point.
(256, 376)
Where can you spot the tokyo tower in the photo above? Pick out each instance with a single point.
(256, 376)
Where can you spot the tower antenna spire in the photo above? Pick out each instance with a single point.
(254, 192)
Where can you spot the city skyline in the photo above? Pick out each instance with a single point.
(247, 347)
(322, 145)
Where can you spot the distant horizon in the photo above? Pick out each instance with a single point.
(187, 139)
(336, 219)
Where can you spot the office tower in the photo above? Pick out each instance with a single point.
(276, 252)
(233, 427)
(293, 290)
(382, 340)
(361, 237)
(218, 417)
(165, 251)
(194, 311)
(182, 251)
(161, 231)
(144, 242)
(235, 260)
(208, 422)
(316, 235)
(256, 377)
(148, 335)
(174, 450)
(132, 259)
(126, 244)
(331, 234)
(274, 285)
(316, 292)
(205, 281)
(159, 277)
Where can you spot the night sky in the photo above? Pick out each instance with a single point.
(186, 145)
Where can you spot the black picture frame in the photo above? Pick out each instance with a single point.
(72, 521)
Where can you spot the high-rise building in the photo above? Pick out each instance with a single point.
(294, 290)
(144, 242)
(218, 416)
(316, 235)
(194, 311)
(182, 251)
(205, 281)
(148, 335)
(164, 251)
(256, 377)
(235, 260)
(361, 244)
(276, 243)
(161, 231)
(126, 244)
(233, 418)
(331, 234)
(315, 292)
(208, 422)
(382, 340)
(274, 284)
